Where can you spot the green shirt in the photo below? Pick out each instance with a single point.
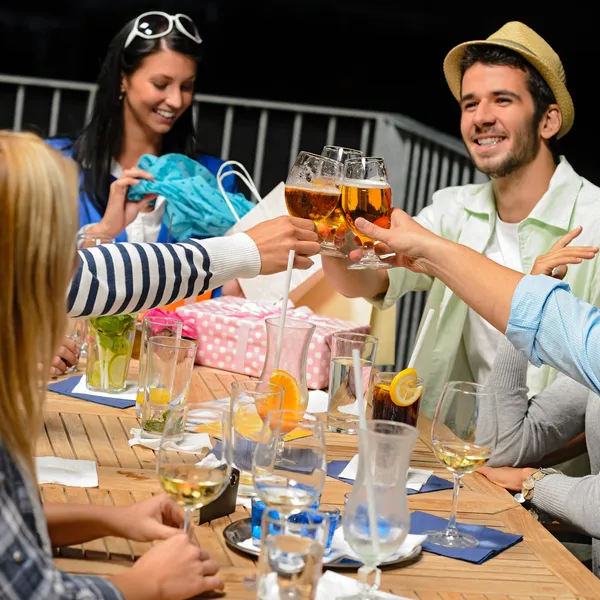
(467, 215)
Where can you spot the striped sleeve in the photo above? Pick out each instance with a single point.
(129, 278)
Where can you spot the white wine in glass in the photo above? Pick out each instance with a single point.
(463, 437)
(198, 482)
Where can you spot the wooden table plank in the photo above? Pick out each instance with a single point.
(535, 569)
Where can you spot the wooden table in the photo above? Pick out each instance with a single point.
(537, 568)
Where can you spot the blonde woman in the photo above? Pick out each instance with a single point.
(38, 210)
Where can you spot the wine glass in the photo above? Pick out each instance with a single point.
(366, 193)
(330, 227)
(251, 401)
(195, 480)
(463, 436)
(378, 500)
(312, 188)
(290, 476)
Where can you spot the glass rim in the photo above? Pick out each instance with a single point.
(275, 386)
(284, 521)
(329, 507)
(163, 318)
(391, 374)
(296, 323)
(344, 148)
(391, 424)
(348, 335)
(315, 155)
(374, 159)
(182, 343)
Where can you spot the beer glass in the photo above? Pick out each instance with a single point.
(312, 188)
(333, 227)
(366, 193)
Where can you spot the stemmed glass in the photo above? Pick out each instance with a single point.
(251, 401)
(366, 193)
(378, 498)
(290, 477)
(332, 226)
(199, 480)
(463, 436)
(312, 187)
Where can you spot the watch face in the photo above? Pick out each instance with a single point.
(519, 497)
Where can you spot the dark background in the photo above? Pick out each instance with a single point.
(370, 55)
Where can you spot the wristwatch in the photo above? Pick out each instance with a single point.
(526, 493)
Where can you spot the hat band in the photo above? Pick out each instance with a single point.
(514, 44)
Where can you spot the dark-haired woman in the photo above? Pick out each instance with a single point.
(142, 106)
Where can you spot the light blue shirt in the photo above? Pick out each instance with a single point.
(552, 326)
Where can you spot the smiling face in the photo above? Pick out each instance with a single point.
(159, 91)
(497, 119)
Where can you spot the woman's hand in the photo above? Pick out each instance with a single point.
(157, 518)
(120, 212)
(67, 356)
(554, 262)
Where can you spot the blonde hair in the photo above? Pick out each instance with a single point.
(38, 223)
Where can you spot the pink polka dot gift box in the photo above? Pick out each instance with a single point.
(232, 335)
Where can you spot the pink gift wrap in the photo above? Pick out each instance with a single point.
(232, 336)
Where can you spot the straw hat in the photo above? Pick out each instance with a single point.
(520, 38)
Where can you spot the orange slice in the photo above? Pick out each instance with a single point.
(292, 400)
(404, 390)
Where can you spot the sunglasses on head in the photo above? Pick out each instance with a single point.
(155, 24)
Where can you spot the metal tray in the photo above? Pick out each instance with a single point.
(239, 531)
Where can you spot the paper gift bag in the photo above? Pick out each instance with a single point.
(266, 288)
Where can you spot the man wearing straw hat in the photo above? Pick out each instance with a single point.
(514, 108)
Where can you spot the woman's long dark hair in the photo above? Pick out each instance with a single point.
(100, 141)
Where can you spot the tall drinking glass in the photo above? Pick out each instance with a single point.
(342, 408)
(196, 483)
(378, 499)
(463, 436)
(291, 557)
(312, 188)
(250, 402)
(366, 193)
(332, 229)
(169, 367)
(153, 326)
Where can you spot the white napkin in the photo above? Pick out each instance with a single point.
(244, 501)
(340, 546)
(415, 478)
(66, 471)
(332, 585)
(191, 442)
(318, 401)
(129, 394)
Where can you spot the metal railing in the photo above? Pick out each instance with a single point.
(266, 137)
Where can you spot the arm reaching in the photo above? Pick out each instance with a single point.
(128, 278)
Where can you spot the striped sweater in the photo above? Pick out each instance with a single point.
(128, 278)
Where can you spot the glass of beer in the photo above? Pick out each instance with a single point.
(313, 187)
(332, 229)
(392, 402)
(366, 193)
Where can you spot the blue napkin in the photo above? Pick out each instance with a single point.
(65, 387)
(194, 205)
(433, 484)
(491, 541)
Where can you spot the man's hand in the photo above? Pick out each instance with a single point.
(405, 241)
(275, 238)
(554, 262)
(510, 478)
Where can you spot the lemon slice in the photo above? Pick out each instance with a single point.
(404, 390)
(117, 369)
(94, 378)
